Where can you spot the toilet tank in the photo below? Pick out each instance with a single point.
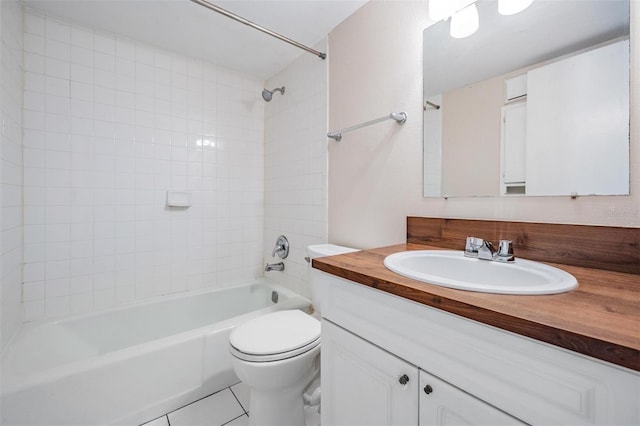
(315, 251)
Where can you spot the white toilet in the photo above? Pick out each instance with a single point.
(277, 356)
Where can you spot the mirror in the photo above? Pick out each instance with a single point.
(535, 103)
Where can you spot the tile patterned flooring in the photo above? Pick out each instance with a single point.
(228, 407)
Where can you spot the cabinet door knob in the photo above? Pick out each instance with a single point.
(404, 379)
(428, 389)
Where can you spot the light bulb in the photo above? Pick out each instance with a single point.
(464, 22)
(511, 7)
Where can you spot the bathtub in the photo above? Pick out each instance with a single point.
(130, 364)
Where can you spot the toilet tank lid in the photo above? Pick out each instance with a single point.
(321, 250)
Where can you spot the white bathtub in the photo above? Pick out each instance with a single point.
(130, 364)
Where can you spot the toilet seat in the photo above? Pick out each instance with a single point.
(272, 357)
(275, 336)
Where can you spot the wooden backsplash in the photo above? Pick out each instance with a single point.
(600, 247)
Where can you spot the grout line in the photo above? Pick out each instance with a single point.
(197, 400)
(200, 399)
(153, 420)
(237, 399)
(245, 414)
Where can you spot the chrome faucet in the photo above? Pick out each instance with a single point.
(482, 249)
(486, 251)
(281, 248)
(274, 267)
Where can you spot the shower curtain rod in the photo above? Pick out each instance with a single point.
(242, 20)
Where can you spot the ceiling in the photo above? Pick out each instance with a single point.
(185, 27)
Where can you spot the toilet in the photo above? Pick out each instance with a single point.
(277, 356)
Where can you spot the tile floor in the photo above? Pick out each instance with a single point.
(229, 407)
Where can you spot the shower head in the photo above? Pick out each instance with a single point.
(268, 94)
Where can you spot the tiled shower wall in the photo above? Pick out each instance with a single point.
(111, 124)
(11, 170)
(296, 166)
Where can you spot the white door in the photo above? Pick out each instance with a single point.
(363, 384)
(443, 404)
(577, 123)
(514, 138)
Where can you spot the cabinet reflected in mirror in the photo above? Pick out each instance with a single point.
(531, 104)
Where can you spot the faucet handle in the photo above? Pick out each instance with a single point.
(505, 251)
(472, 246)
(486, 251)
(281, 248)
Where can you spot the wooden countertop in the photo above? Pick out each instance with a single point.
(601, 318)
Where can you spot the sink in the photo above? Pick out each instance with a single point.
(449, 268)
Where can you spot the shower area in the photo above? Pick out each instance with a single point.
(100, 127)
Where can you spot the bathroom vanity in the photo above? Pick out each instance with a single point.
(401, 352)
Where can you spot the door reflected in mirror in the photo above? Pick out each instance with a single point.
(531, 104)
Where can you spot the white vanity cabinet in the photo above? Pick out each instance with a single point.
(442, 404)
(363, 384)
(478, 374)
(368, 386)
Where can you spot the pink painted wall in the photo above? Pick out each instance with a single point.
(375, 174)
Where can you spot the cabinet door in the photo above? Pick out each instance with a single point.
(445, 404)
(363, 384)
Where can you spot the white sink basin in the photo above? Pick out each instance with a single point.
(452, 269)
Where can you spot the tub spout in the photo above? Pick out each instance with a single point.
(274, 267)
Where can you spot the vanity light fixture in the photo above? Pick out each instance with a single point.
(464, 13)
(464, 22)
(511, 7)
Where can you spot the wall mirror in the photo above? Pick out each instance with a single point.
(535, 103)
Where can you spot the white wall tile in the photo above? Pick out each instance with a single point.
(33, 310)
(104, 61)
(125, 48)
(57, 30)
(57, 68)
(81, 37)
(81, 73)
(33, 272)
(34, 62)
(33, 120)
(57, 50)
(34, 290)
(34, 44)
(105, 79)
(110, 125)
(57, 306)
(57, 86)
(14, 48)
(80, 55)
(34, 82)
(81, 302)
(295, 162)
(105, 43)
(34, 24)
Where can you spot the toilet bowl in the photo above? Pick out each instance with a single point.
(277, 357)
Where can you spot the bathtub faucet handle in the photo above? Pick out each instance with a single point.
(281, 248)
